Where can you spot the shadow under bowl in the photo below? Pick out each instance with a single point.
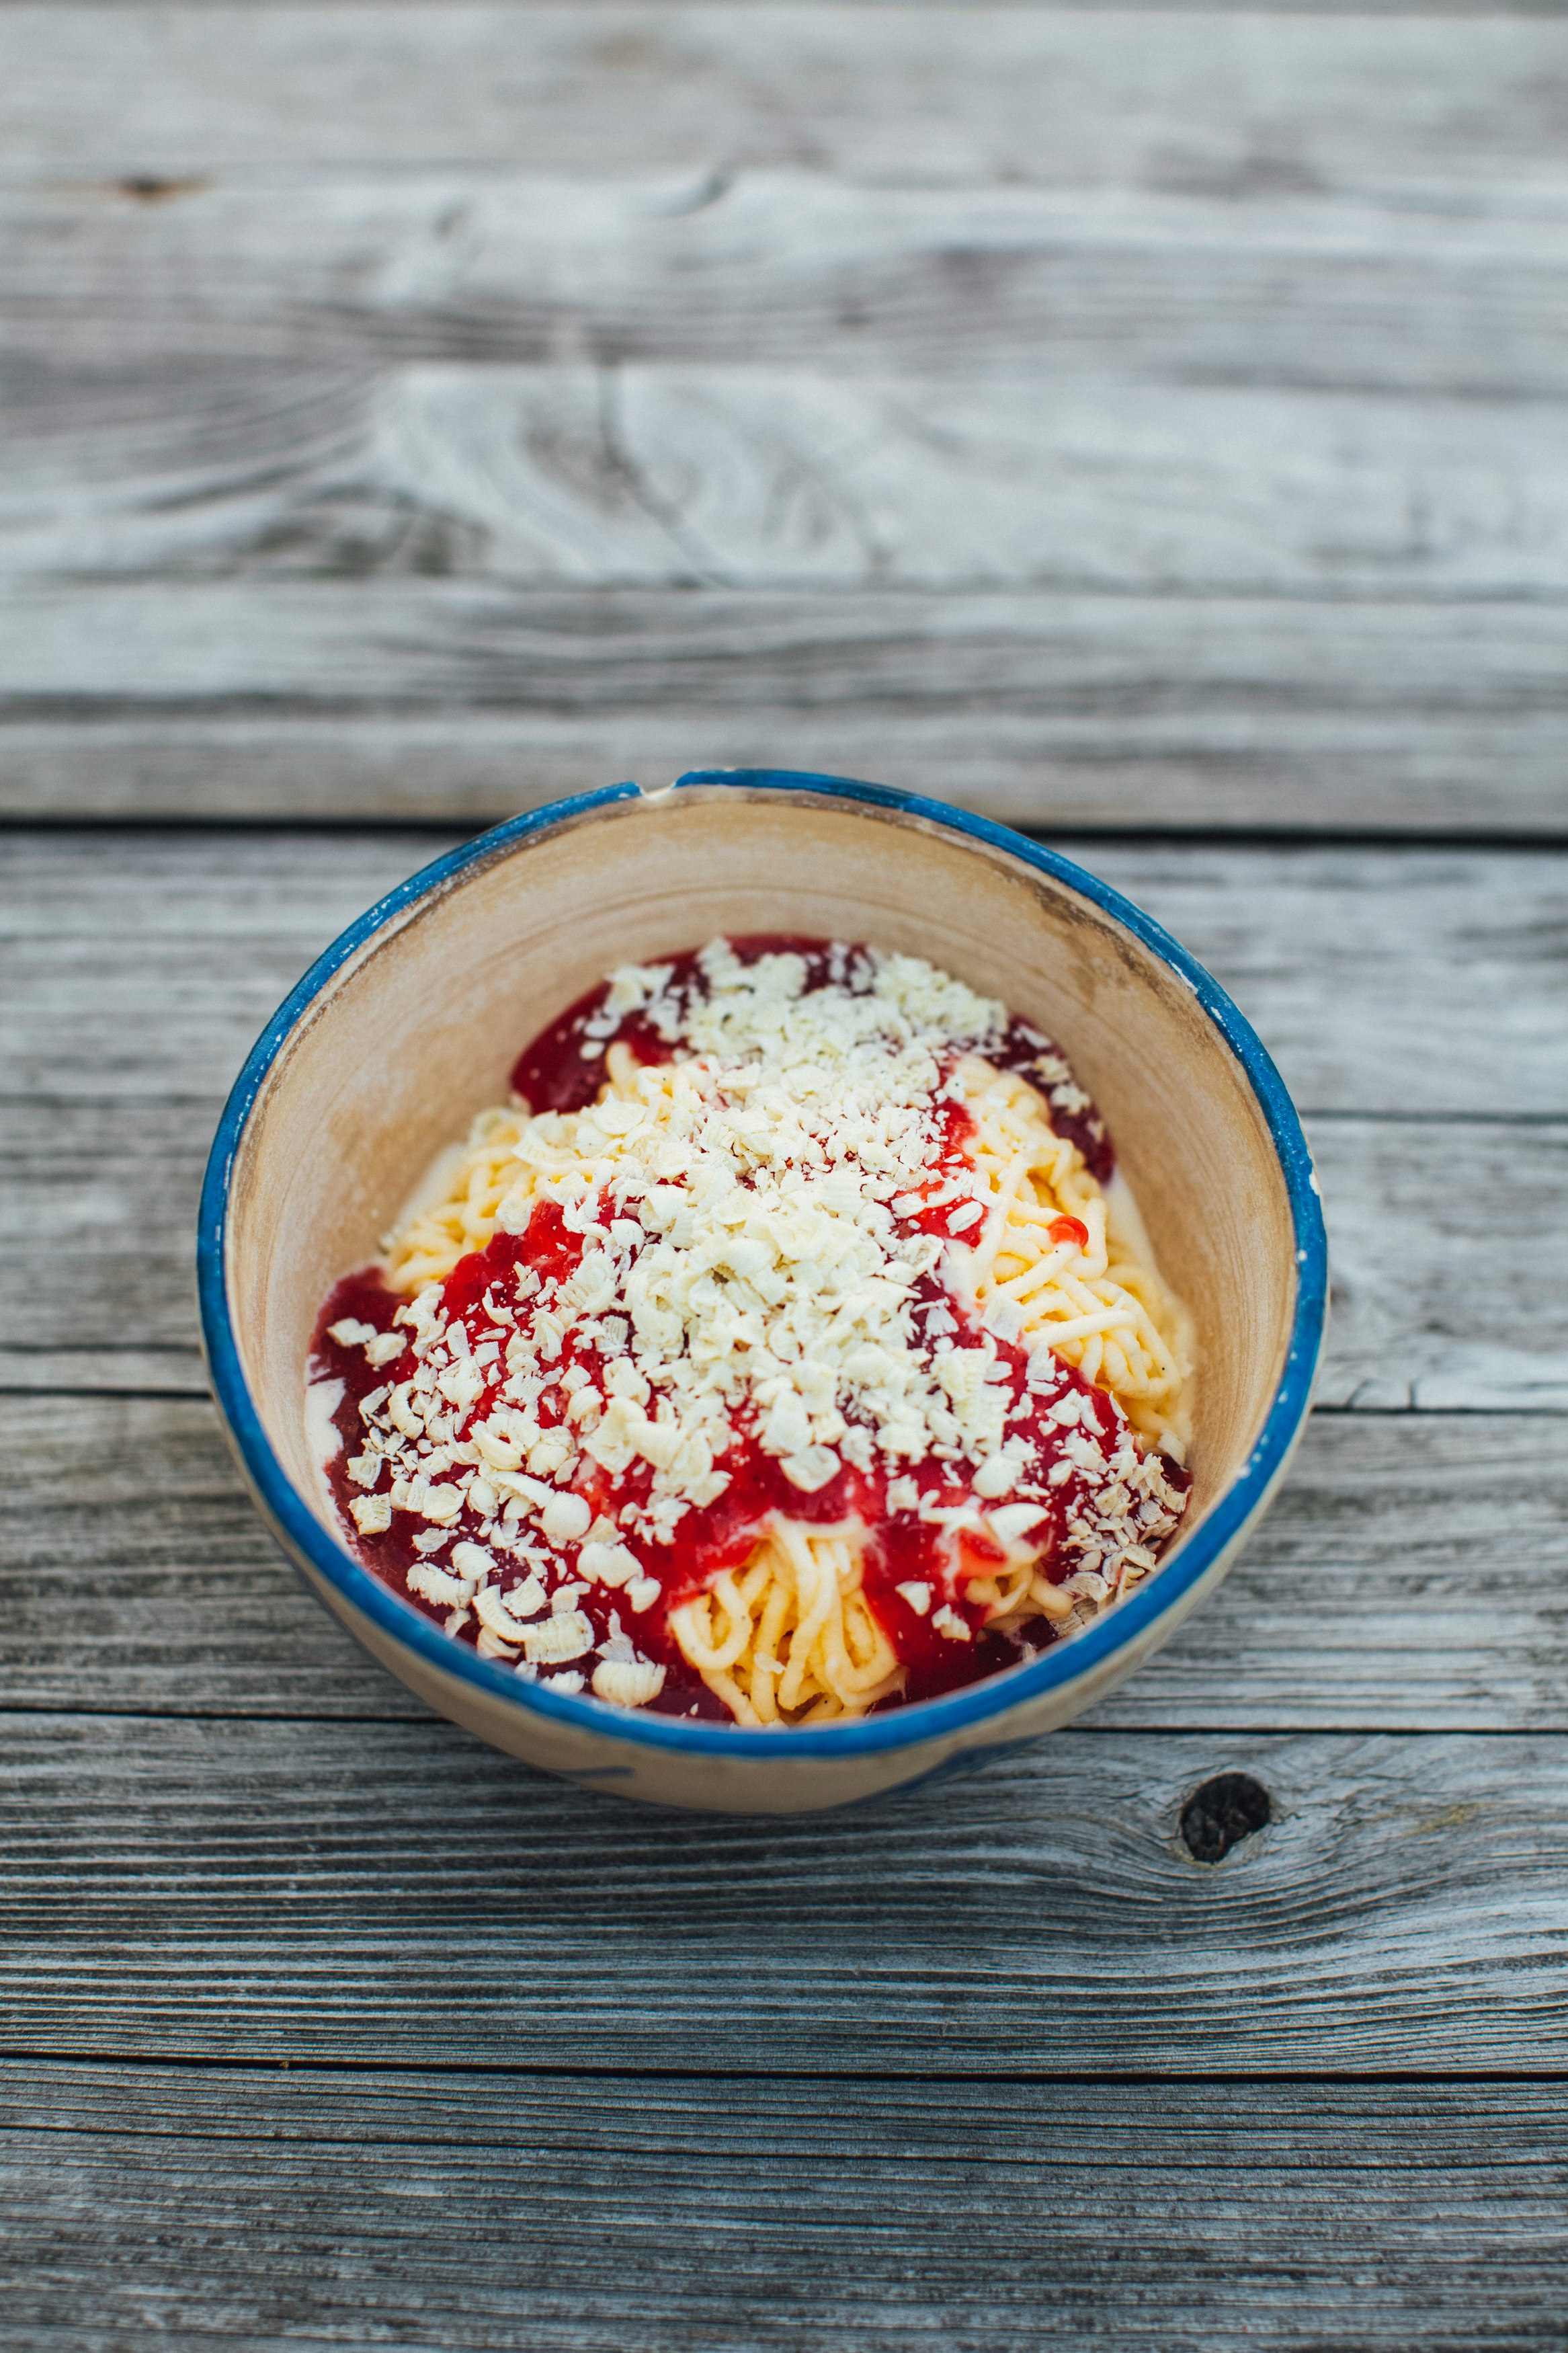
(410, 1023)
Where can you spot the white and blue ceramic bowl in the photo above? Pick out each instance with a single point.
(409, 1024)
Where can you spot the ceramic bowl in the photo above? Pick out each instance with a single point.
(409, 1024)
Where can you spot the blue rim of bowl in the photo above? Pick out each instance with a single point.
(922, 1720)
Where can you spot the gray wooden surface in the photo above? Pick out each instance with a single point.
(1106, 417)
(1148, 427)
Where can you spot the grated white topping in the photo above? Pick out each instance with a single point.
(752, 1248)
(746, 1252)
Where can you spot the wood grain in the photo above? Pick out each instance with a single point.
(1411, 1576)
(1321, 105)
(142, 965)
(1108, 418)
(343, 1891)
(455, 265)
(1181, 329)
(1416, 772)
(1423, 1221)
(412, 648)
(771, 477)
(630, 2213)
(451, 699)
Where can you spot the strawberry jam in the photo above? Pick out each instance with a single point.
(447, 1500)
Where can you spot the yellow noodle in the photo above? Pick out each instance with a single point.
(791, 1637)
(1100, 1308)
(799, 1641)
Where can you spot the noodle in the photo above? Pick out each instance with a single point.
(1033, 1250)
(789, 1637)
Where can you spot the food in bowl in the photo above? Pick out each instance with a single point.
(788, 1350)
(411, 1019)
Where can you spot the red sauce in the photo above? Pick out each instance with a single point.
(1023, 1049)
(564, 1067)
(901, 1548)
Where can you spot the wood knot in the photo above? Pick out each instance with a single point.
(148, 188)
(1222, 1813)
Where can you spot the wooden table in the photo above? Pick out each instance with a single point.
(1146, 428)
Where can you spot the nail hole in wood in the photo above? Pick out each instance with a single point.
(1221, 1814)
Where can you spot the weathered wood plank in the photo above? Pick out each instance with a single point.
(38, 1369)
(1188, 176)
(1417, 1219)
(1469, 297)
(467, 701)
(1115, 98)
(142, 964)
(1230, 250)
(191, 1606)
(1491, 773)
(766, 477)
(98, 1213)
(411, 649)
(1411, 1576)
(1449, 1258)
(327, 1892)
(629, 2212)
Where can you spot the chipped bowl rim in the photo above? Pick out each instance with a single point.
(921, 1721)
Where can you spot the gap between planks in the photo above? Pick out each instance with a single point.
(1080, 843)
(183, 2067)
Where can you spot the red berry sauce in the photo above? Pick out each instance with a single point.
(494, 1292)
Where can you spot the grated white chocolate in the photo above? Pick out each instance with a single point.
(745, 1214)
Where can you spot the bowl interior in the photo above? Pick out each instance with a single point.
(419, 1029)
